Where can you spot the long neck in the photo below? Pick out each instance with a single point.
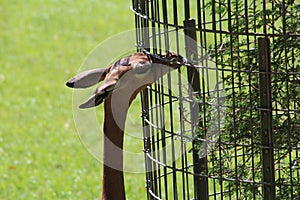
(113, 177)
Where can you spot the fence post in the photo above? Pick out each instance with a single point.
(143, 36)
(200, 164)
(265, 94)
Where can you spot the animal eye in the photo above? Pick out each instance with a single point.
(142, 67)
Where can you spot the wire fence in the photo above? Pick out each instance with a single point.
(226, 125)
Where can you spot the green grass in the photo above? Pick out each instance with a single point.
(43, 43)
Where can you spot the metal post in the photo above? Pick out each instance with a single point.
(200, 164)
(266, 118)
(145, 25)
(144, 38)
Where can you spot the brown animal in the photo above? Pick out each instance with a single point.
(123, 80)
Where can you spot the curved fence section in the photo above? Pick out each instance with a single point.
(226, 124)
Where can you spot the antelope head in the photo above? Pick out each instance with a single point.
(128, 76)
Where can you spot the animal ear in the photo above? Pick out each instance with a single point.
(87, 78)
(100, 94)
(92, 101)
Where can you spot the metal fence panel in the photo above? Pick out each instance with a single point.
(226, 124)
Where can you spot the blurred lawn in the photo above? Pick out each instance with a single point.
(42, 45)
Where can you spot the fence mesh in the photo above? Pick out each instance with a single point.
(226, 124)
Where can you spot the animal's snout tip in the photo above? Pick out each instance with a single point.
(70, 84)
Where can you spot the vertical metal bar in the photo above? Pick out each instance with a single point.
(174, 172)
(161, 123)
(187, 14)
(145, 26)
(156, 141)
(266, 118)
(143, 42)
(182, 130)
(147, 142)
(200, 164)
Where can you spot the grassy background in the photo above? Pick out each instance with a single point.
(42, 45)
